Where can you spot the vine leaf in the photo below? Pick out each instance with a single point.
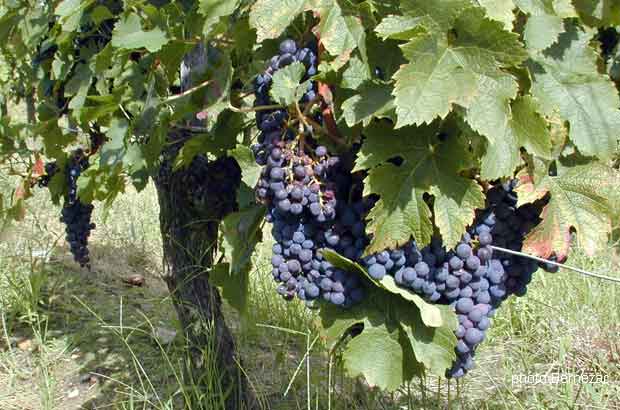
(240, 234)
(336, 322)
(545, 21)
(428, 166)
(435, 14)
(213, 10)
(429, 313)
(373, 101)
(433, 347)
(232, 288)
(285, 83)
(271, 17)
(340, 34)
(500, 10)
(356, 74)
(250, 170)
(578, 201)
(397, 27)
(70, 13)
(507, 127)
(566, 80)
(128, 34)
(380, 356)
(446, 70)
(599, 12)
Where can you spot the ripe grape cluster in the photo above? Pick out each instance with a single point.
(307, 192)
(75, 214)
(315, 202)
(472, 278)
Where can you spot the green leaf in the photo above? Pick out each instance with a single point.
(489, 112)
(240, 234)
(356, 74)
(429, 166)
(373, 101)
(78, 86)
(113, 150)
(128, 34)
(380, 355)
(507, 127)
(577, 202)
(271, 17)
(435, 14)
(397, 27)
(566, 80)
(500, 10)
(340, 35)
(429, 313)
(442, 72)
(599, 12)
(213, 10)
(285, 83)
(70, 13)
(545, 21)
(250, 170)
(233, 288)
(336, 322)
(433, 347)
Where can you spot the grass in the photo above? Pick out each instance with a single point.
(72, 339)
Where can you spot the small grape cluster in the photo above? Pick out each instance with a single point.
(293, 170)
(306, 191)
(75, 214)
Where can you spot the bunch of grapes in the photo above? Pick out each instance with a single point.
(306, 190)
(472, 278)
(315, 203)
(75, 214)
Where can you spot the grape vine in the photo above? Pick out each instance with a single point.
(310, 192)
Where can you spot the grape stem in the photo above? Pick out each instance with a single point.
(187, 92)
(253, 109)
(561, 265)
(334, 138)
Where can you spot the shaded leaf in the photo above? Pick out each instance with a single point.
(240, 234)
(429, 313)
(429, 166)
(250, 170)
(433, 347)
(373, 100)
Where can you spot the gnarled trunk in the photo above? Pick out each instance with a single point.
(192, 202)
(189, 218)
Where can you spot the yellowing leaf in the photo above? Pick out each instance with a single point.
(579, 200)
